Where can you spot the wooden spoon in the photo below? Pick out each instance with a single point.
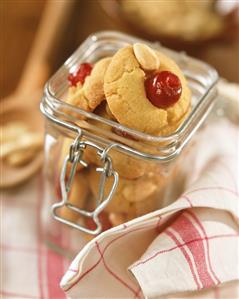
(28, 114)
(23, 104)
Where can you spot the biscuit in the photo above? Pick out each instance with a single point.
(89, 95)
(94, 84)
(125, 94)
(125, 165)
(77, 197)
(132, 197)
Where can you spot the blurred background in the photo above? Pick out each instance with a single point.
(206, 29)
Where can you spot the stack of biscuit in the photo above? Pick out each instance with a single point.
(115, 89)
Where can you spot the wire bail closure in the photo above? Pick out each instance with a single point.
(74, 157)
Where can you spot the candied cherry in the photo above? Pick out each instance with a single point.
(80, 75)
(163, 89)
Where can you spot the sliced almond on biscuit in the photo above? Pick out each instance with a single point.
(147, 58)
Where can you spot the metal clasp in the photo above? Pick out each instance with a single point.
(74, 157)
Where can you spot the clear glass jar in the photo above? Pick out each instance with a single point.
(99, 173)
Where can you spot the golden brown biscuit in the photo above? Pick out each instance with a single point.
(77, 197)
(76, 97)
(94, 84)
(124, 164)
(89, 95)
(125, 94)
(134, 197)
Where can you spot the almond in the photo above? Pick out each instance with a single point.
(147, 58)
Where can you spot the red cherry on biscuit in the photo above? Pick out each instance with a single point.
(80, 75)
(163, 89)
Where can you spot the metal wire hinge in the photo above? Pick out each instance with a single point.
(74, 157)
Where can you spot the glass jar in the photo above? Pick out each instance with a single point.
(99, 173)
